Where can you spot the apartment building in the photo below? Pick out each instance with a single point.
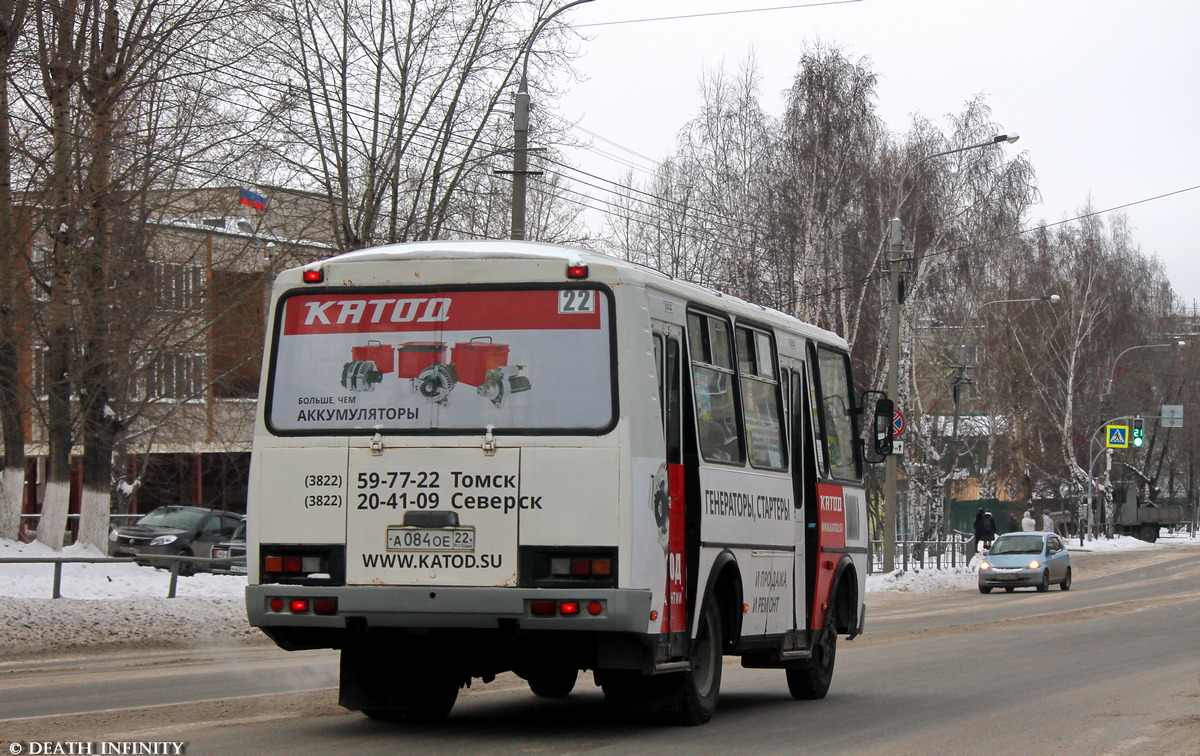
(194, 282)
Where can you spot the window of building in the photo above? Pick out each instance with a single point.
(176, 376)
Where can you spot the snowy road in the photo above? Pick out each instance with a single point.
(1107, 668)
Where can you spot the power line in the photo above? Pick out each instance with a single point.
(716, 13)
(1005, 237)
(643, 216)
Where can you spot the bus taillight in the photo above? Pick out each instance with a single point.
(325, 606)
(580, 567)
(568, 566)
(308, 564)
(564, 608)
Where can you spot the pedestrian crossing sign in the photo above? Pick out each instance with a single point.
(1117, 436)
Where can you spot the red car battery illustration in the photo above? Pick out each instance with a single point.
(473, 359)
(383, 355)
(415, 356)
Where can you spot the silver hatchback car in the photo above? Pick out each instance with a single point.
(1026, 559)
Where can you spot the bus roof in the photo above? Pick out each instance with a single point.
(626, 270)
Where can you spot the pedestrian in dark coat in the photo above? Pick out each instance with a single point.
(989, 530)
(985, 528)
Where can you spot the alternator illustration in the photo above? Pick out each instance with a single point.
(502, 381)
(436, 382)
(361, 375)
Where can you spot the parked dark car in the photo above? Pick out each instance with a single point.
(186, 531)
(234, 547)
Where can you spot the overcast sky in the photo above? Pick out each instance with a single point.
(1102, 92)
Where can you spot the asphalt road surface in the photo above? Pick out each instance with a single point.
(1107, 668)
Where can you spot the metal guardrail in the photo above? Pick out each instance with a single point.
(950, 551)
(176, 560)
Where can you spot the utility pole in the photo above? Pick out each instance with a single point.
(893, 381)
(521, 129)
(896, 287)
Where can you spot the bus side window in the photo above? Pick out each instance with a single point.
(714, 388)
(837, 411)
(785, 390)
(661, 374)
(818, 420)
(674, 403)
(760, 399)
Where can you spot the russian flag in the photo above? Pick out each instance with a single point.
(256, 201)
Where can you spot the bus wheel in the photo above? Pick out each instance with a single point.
(421, 699)
(553, 683)
(700, 686)
(810, 682)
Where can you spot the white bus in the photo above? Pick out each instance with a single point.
(480, 457)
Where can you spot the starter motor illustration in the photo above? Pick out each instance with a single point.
(478, 362)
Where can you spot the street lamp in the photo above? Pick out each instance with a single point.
(521, 128)
(893, 380)
(1112, 371)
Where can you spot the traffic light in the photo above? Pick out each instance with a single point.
(1139, 436)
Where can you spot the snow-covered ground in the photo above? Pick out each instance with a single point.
(121, 604)
(126, 604)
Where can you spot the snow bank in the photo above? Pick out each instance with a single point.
(920, 580)
(103, 581)
(106, 605)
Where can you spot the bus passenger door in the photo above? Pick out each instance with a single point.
(669, 492)
(804, 478)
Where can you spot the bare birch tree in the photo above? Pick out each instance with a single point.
(398, 103)
(825, 187)
(14, 397)
(108, 70)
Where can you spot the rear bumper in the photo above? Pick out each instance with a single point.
(623, 611)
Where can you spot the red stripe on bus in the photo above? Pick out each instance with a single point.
(433, 312)
(676, 563)
(831, 533)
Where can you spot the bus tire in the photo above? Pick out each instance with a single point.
(811, 682)
(426, 702)
(553, 683)
(700, 686)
